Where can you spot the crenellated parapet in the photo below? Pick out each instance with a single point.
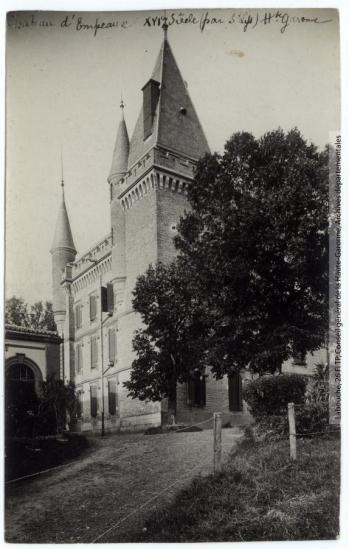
(170, 161)
(91, 274)
(156, 180)
(96, 253)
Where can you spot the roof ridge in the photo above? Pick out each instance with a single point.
(28, 329)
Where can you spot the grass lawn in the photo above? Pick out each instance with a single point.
(261, 495)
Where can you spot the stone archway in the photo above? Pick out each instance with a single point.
(22, 387)
(25, 369)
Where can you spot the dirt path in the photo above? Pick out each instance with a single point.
(81, 501)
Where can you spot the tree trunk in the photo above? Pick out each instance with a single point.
(172, 399)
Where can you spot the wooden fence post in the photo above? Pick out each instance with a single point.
(217, 442)
(292, 431)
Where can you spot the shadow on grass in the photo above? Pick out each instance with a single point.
(260, 496)
(25, 456)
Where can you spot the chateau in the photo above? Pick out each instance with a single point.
(92, 293)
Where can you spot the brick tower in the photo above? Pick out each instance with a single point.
(148, 183)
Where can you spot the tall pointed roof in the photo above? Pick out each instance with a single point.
(63, 237)
(121, 149)
(176, 125)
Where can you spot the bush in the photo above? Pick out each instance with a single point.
(271, 427)
(312, 418)
(270, 395)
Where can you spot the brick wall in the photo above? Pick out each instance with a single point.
(217, 400)
(171, 206)
(118, 239)
(141, 241)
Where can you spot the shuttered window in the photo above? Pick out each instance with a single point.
(112, 344)
(78, 404)
(110, 298)
(235, 393)
(93, 307)
(78, 359)
(107, 298)
(94, 352)
(299, 359)
(93, 400)
(112, 397)
(78, 316)
(197, 389)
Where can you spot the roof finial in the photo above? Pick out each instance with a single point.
(165, 27)
(122, 105)
(62, 177)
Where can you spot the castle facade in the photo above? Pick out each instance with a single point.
(92, 292)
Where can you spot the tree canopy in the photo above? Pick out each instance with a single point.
(249, 288)
(257, 240)
(38, 316)
(169, 345)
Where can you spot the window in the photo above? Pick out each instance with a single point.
(20, 372)
(78, 359)
(112, 344)
(93, 400)
(235, 393)
(78, 404)
(197, 388)
(93, 307)
(78, 316)
(94, 352)
(112, 397)
(299, 359)
(107, 298)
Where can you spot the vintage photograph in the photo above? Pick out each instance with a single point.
(172, 279)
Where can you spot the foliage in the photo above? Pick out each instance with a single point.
(170, 343)
(318, 386)
(21, 407)
(271, 427)
(256, 243)
(58, 404)
(268, 398)
(29, 414)
(312, 418)
(38, 316)
(270, 395)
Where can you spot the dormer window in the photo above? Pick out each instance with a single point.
(151, 93)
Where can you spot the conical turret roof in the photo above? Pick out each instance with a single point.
(176, 125)
(121, 150)
(63, 237)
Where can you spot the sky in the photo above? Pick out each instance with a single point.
(63, 87)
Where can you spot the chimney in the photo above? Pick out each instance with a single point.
(151, 92)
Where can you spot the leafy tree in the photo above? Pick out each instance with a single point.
(256, 241)
(249, 288)
(38, 316)
(57, 405)
(169, 345)
(41, 316)
(16, 312)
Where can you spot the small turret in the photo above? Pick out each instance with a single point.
(121, 150)
(63, 251)
(117, 214)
